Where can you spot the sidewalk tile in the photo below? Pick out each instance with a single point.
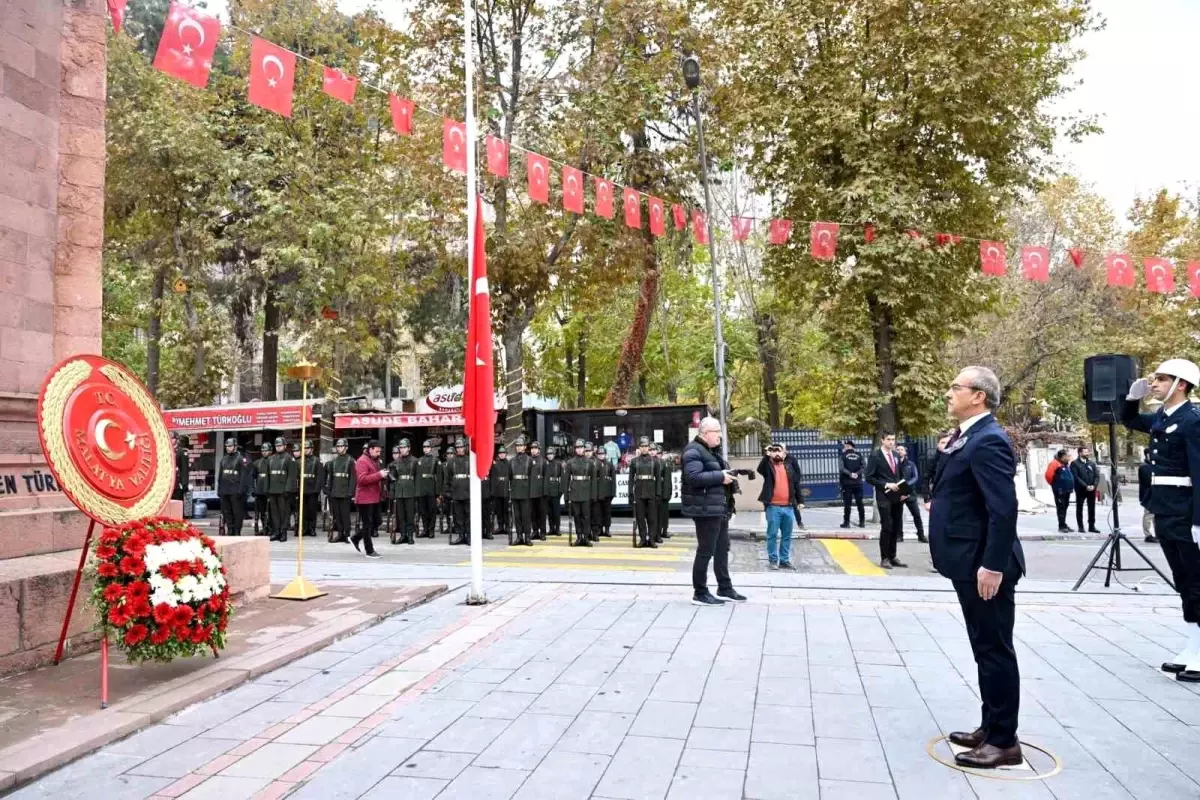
(269, 761)
(842, 716)
(425, 718)
(221, 787)
(434, 764)
(783, 725)
(535, 677)
(733, 739)
(596, 732)
(301, 771)
(469, 735)
(503, 705)
(781, 772)
(252, 723)
(357, 770)
(718, 759)
(788, 667)
(182, 759)
(564, 776)
(184, 784)
(154, 741)
(276, 790)
(478, 783)
(463, 690)
(525, 742)
(852, 760)
(642, 767)
(406, 788)
(665, 719)
(848, 790)
(328, 752)
(319, 730)
(393, 683)
(706, 783)
(356, 705)
(783, 693)
(835, 680)
(562, 699)
(247, 747)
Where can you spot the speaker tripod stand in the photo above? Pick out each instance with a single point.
(1112, 543)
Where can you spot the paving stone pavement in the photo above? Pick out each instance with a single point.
(625, 692)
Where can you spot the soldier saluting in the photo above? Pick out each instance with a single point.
(579, 473)
(643, 494)
(340, 482)
(1175, 479)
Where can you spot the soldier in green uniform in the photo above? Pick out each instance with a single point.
(521, 466)
(579, 473)
(233, 484)
(283, 479)
(537, 490)
(608, 490)
(595, 514)
(429, 472)
(294, 494)
(404, 495)
(458, 487)
(340, 482)
(643, 495)
(262, 475)
(500, 484)
(665, 490)
(314, 480)
(552, 489)
(446, 522)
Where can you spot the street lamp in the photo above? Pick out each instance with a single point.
(691, 76)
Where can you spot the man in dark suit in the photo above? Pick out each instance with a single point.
(973, 541)
(883, 473)
(1086, 476)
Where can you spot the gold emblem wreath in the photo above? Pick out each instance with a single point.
(90, 501)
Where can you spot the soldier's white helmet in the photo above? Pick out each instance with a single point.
(1180, 368)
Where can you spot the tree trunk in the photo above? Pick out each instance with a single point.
(581, 374)
(514, 373)
(569, 357)
(768, 352)
(197, 337)
(672, 389)
(270, 344)
(887, 416)
(154, 328)
(635, 341)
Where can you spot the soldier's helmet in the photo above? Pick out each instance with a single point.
(535, 445)
(405, 443)
(427, 443)
(308, 444)
(341, 443)
(1180, 368)
(643, 441)
(265, 447)
(281, 442)
(230, 444)
(580, 443)
(460, 442)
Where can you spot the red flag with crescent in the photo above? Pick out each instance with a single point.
(497, 156)
(1160, 275)
(479, 380)
(658, 225)
(402, 111)
(604, 198)
(699, 226)
(187, 44)
(339, 85)
(1193, 273)
(1035, 264)
(454, 145)
(992, 257)
(741, 228)
(1119, 267)
(679, 215)
(272, 76)
(537, 171)
(116, 10)
(869, 233)
(572, 180)
(632, 201)
(780, 231)
(1076, 257)
(823, 240)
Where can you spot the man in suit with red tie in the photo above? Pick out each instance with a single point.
(973, 541)
(883, 472)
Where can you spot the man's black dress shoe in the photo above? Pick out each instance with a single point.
(988, 756)
(971, 740)
(1188, 675)
(1174, 669)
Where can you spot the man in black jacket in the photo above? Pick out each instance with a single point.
(911, 476)
(705, 477)
(851, 480)
(883, 473)
(778, 498)
(1086, 475)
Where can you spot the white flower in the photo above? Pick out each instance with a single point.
(168, 597)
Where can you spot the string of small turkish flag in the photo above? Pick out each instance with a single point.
(188, 45)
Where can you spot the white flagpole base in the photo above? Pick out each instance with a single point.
(476, 597)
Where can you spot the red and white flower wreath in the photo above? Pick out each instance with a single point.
(160, 590)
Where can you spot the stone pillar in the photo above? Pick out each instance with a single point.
(53, 61)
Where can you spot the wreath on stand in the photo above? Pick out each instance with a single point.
(160, 590)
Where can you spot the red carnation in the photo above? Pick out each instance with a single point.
(135, 547)
(133, 566)
(140, 608)
(118, 617)
(139, 589)
(105, 552)
(109, 536)
(209, 543)
(107, 569)
(182, 615)
(160, 635)
(163, 614)
(198, 636)
(215, 604)
(136, 634)
(113, 592)
(223, 624)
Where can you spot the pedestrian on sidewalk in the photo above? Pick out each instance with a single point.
(883, 473)
(850, 479)
(705, 476)
(369, 476)
(973, 541)
(1145, 480)
(781, 490)
(1061, 479)
(911, 476)
(1086, 476)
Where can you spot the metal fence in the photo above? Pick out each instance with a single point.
(820, 459)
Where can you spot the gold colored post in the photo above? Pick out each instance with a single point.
(300, 588)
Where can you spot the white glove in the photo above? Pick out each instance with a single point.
(1139, 389)
(1196, 534)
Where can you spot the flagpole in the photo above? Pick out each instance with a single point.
(475, 522)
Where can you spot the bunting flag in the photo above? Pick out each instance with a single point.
(537, 171)
(454, 145)
(1193, 273)
(572, 180)
(604, 198)
(402, 113)
(1160, 275)
(679, 215)
(699, 226)
(497, 156)
(1120, 270)
(186, 47)
(1076, 257)
(272, 76)
(823, 240)
(780, 231)
(992, 257)
(657, 223)
(741, 228)
(946, 239)
(116, 10)
(1035, 264)
(339, 85)
(633, 208)
(869, 233)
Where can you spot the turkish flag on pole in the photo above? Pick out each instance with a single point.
(1160, 275)
(402, 111)
(604, 198)
(186, 48)
(823, 240)
(497, 155)
(680, 216)
(992, 257)
(1120, 270)
(537, 169)
(572, 189)
(780, 231)
(116, 10)
(633, 208)
(657, 226)
(339, 85)
(1035, 264)
(699, 226)
(272, 76)
(1193, 272)
(479, 389)
(741, 228)
(454, 145)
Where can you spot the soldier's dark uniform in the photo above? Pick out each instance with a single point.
(537, 491)
(522, 467)
(294, 492)
(643, 494)
(314, 481)
(579, 473)
(851, 480)
(233, 484)
(666, 487)
(458, 487)
(552, 489)
(262, 476)
(341, 479)
(499, 483)
(404, 495)
(595, 513)
(282, 480)
(429, 478)
(444, 507)
(608, 490)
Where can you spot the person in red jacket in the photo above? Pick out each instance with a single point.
(368, 495)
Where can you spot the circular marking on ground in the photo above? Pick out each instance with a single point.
(1039, 763)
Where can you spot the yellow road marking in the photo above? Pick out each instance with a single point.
(850, 558)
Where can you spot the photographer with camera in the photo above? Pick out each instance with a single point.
(707, 491)
(780, 493)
